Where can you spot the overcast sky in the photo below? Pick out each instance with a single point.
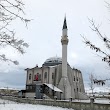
(44, 34)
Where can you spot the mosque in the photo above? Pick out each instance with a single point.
(55, 78)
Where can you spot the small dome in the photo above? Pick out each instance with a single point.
(52, 61)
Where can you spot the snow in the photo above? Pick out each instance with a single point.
(8, 105)
(102, 101)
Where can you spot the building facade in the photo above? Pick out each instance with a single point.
(55, 78)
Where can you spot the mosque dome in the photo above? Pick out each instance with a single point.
(52, 61)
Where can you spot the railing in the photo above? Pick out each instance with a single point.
(49, 95)
(61, 103)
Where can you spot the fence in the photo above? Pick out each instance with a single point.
(60, 103)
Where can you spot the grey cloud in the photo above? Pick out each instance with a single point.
(13, 79)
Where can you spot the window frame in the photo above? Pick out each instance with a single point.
(30, 75)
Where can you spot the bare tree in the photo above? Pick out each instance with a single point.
(104, 55)
(11, 10)
(101, 53)
(91, 83)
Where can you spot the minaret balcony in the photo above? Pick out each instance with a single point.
(64, 40)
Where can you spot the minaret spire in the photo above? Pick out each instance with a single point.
(64, 33)
(65, 24)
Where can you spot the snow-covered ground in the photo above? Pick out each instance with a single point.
(8, 105)
(102, 101)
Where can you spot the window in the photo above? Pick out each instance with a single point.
(33, 87)
(27, 87)
(45, 75)
(34, 77)
(30, 87)
(77, 78)
(37, 77)
(74, 90)
(49, 61)
(74, 78)
(77, 89)
(52, 75)
(29, 76)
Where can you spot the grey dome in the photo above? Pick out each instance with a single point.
(52, 61)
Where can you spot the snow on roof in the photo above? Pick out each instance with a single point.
(53, 87)
(53, 59)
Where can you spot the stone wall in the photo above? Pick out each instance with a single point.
(59, 103)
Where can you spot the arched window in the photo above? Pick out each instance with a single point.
(29, 76)
(74, 78)
(77, 89)
(45, 75)
(52, 75)
(37, 77)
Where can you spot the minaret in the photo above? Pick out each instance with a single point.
(64, 84)
(64, 42)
